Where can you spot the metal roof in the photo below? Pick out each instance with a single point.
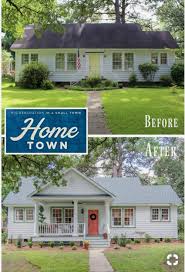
(127, 190)
(96, 36)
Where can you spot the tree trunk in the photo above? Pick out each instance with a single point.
(116, 5)
(123, 8)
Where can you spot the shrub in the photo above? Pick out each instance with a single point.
(177, 73)
(181, 236)
(133, 79)
(148, 71)
(173, 89)
(128, 241)
(61, 243)
(93, 81)
(166, 80)
(136, 241)
(41, 244)
(30, 244)
(157, 240)
(47, 84)
(52, 244)
(147, 238)
(33, 75)
(108, 83)
(72, 243)
(115, 239)
(61, 247)
(4, 237)
(19, 243)
(180, 225)
(167, 240)
(122, 241)
(74, 248)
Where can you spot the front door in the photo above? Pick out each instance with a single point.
(94, 65)
(93, 222)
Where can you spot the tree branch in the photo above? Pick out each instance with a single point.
(11, 3)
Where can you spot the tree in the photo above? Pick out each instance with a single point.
(43, 14)
(92, 10)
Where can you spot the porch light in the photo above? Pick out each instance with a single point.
(105, 56)
(82, 211)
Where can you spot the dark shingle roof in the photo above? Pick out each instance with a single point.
(97, 36)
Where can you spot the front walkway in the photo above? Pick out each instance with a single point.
(98, 261)
(96, 117)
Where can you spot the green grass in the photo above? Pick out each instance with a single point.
(33, 261)
(126, 109)
(146, 259)
(17, 97)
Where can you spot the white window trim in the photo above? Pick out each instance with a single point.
(19, 221)
(58, 69)
(62, 214)
(69, 70)
(65, 216)
(134, 219)
(128, 71)
(158, 58)
(29, 57)
(166, 208)
(159, 214)
(122, 62)
(26, 220)
(162, 64)
(116, 226)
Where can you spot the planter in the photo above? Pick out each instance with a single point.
(105, 236)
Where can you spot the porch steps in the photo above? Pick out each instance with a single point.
(98, 243)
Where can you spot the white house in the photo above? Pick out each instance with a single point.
(87, 208)
(109, 51)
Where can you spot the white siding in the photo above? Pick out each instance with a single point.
(47, 56)
(76, 185)
(144, 224)
(16, 230)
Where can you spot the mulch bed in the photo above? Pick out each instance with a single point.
(12, 247)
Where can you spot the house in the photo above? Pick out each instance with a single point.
(88, 208)
(109, 51)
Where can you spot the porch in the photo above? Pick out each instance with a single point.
(72, 220)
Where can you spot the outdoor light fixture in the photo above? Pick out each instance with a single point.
(82, 211)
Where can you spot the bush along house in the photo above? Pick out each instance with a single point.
(95, 209)
(107, 51)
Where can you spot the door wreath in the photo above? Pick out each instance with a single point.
(93, 216)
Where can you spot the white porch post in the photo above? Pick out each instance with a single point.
(36, 219)
(75, 231)
(107, 213)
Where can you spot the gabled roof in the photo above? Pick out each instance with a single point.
(96, 36)
(130, 191)
(126, 190)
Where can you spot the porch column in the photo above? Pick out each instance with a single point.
(36, 219)
(75, 231)
(107, 214)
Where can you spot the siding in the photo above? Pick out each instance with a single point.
(154, 229)
(16, 230)
(76, 184)
(47, 56)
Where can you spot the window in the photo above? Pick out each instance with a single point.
(57, 215)
(68, 215)
(71, 61)
(34, 58)
(116, 217)
(129, 217)
(165, 214)
(25, 58)
(154, 58)
(117, 61)
(60, 61)
(19, 214)
(129, 61)
(155, 214)
(29, 214)
(163, 58)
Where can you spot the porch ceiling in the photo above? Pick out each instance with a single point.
(70, 198)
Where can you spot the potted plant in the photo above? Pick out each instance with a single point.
(105, 235)
(86, 245)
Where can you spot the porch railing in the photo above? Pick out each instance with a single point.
(60, 229)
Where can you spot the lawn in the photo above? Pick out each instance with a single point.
(43, 261)
(150, 258)
(126, 109)
(17, 97)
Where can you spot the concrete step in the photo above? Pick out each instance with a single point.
(99, 243)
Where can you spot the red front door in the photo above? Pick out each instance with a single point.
(93, 222)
